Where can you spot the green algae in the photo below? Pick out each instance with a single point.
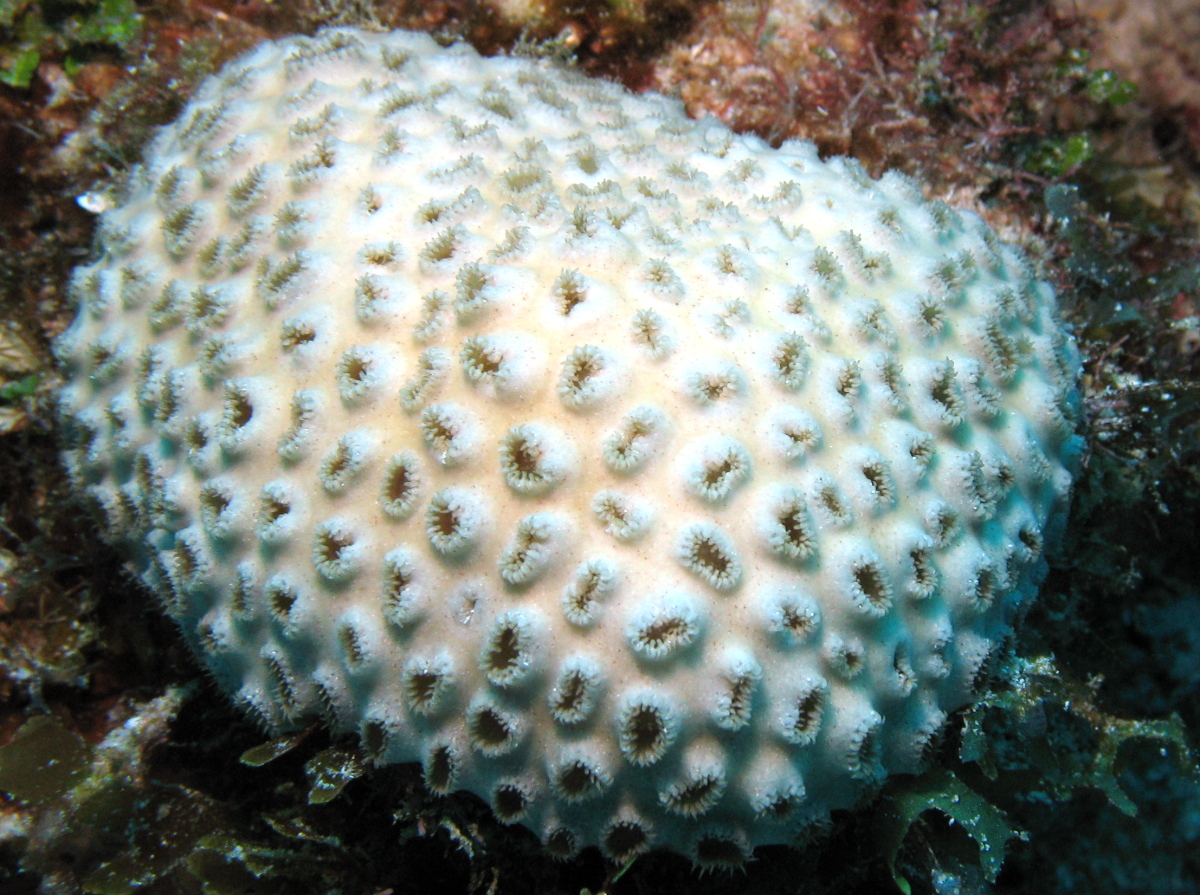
(43, 761)
(330, 771)
(162, 828)
(939, 789)
(1013, 729)
(274, 748)
(84, 796)
(1038, 737)
(33, 29)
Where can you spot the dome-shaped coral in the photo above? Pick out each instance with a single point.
(658, 486)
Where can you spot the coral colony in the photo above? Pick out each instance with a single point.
(660, 487)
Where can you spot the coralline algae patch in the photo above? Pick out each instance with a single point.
(660, 487)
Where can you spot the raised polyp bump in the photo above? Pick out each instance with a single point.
(786, 525)
(713, 467)
(594, 582)
(626, 836)
(534, 458)
(403, 597)
(451, 434)
(647, 725)
(577, 689)
(589, 375)
(493, 731)
(454, 521)
(661, 628)
(579, 773)
(427, 683)
(537, 542)
(709, 554)
(513, 650)
(401, 488)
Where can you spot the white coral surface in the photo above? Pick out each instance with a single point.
(657, 486)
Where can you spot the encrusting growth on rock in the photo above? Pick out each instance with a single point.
(660, 487)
